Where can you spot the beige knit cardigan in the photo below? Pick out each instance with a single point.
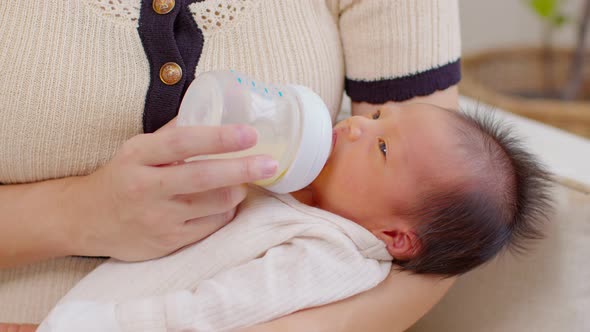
(77, 77)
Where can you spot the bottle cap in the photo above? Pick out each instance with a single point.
(315, 144)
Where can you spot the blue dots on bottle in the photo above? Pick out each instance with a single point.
(267, 90)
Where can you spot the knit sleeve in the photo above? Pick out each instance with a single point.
(399, 49)
(299, 274)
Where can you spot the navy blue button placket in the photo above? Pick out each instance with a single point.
(172, 37)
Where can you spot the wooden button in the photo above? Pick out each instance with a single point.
(170, 73)
(163, 7)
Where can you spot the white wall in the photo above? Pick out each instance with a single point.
(497, 23)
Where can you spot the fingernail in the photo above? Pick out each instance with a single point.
(247, 136)
(268, 167)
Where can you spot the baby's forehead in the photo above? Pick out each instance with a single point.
(433, 141)
(427, 125)
(424, 111)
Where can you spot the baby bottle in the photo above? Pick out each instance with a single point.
(293, 123)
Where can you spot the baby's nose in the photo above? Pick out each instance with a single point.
(354, 129)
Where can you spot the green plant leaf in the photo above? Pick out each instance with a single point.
(559, 20)
(544, 8)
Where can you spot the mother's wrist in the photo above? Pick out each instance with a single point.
(60, 206)
(77, 218)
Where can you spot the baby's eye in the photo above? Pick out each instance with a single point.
(382, 146)
(376, 115)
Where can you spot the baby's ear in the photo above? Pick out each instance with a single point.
(402, 244)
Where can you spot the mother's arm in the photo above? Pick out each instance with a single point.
(394, 305)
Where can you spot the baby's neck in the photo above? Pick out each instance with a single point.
(305, 196)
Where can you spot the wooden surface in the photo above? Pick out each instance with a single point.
(497, 76)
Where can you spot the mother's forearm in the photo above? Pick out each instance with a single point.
(36, 222)
(394, 305)
(5, 327)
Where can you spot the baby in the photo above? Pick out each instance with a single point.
(431, 190)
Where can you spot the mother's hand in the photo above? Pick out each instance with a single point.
(146, 202)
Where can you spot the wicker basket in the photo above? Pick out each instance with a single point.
(501, 77)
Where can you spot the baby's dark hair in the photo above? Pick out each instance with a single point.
(503, 204)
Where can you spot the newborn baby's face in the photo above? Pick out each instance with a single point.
(380, 162)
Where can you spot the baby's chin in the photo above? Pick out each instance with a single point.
(324, 175)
